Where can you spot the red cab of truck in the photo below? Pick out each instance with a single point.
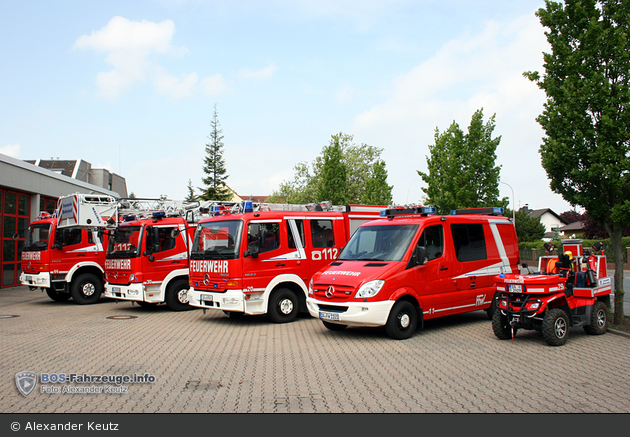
(413, 265)
(64, 262)
(260, 262)
(147, 261)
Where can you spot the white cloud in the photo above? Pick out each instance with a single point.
(213, 85)
(12, 150)
(129, 46)
(176, 87)
(262, 74)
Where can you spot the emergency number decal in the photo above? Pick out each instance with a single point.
(325, 254)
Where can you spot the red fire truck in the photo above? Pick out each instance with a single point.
(259, 262)
(147, 260)
(64, 253)
(414, 265)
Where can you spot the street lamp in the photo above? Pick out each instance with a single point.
(513, 206)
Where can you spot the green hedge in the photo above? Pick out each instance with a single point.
(526, 248)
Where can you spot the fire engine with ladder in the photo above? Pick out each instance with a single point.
(258, 262)
(64, 252)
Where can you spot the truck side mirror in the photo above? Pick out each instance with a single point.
(419, 257)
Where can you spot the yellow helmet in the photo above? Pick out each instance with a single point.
(570, 254)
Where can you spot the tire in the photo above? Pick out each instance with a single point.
(334, 326)
(86, 289)
(599, 319)
(177, 295)
(555, 327)
(402, 320)
(501, 327)
(283, 306)
(57, 296)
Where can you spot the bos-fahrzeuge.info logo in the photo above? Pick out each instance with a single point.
(58, 383)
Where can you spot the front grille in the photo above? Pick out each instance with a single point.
(333, 308)
(341, 291)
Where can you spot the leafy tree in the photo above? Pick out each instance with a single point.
(333, 181)
(359, 164)
(571, 216)
(586, 147)
(461, 169)
(214, 164)
(377, 192)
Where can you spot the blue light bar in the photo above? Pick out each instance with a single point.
(490, 210)
(422, 210)
(159, 215)
(248, 206)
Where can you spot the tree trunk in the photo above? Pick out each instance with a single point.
(616, 233)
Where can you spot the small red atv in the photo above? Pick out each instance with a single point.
(555, 301)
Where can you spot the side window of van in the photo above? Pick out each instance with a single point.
(322, 233)
(432, 239)
(469, 242)
(300, 228)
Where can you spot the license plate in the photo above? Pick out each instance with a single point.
(516, 288)
(116, 289)
(205, 298)
(29, 278)
(328, 316)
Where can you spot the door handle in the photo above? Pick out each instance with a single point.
(443, 268)
(280, 265)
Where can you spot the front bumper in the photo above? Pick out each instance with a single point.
(41, 279)
(134, 292)
(351, 313)
(230, 300)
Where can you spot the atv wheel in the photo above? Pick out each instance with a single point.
(599, 319)
(555, 327)
(501, 327)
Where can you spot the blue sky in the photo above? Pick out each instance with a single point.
(131, 86)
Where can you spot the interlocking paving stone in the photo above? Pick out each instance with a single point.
(210, 363)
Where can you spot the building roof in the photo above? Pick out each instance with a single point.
(541, 212)
(575, 226)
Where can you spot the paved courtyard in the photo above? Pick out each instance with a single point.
(211, 363)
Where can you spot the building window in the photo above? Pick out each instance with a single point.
(14, 219)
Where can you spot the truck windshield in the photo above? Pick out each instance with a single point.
(125, 243)
(37, 237)
(217, 240)
(379, 243)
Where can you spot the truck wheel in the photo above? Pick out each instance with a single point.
(599, 319)
(402, 320)
(501, 327)
(334, 326)
(177, 296)
(57, 296)
(86, 289)
(555, 327)
(283, 306)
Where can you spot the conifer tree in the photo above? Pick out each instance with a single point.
(214, 164)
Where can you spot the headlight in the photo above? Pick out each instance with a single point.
(369, 289)
(310, 287)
